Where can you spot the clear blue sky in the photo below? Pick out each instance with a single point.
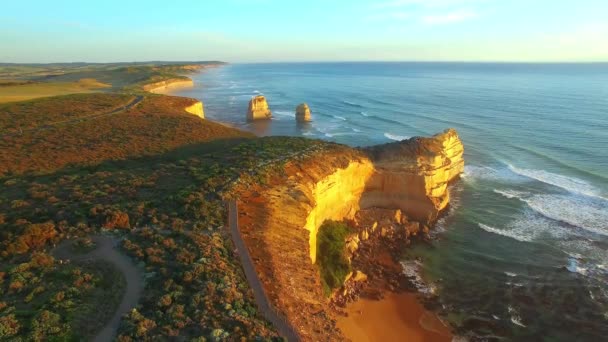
(306, 30)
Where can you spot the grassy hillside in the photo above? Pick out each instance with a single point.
(29, 143)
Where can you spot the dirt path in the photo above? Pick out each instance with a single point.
(261, 299)
(134, 278)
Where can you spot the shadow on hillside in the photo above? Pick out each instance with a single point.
(180, 153)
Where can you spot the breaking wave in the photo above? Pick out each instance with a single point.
(396, 137)
(587, 213)
(570, 184)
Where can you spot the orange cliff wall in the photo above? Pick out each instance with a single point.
(280, 220)
(196, 109)
(163, 86)
(414, 175)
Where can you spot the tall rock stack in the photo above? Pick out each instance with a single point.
(303, 113)
(258, 109)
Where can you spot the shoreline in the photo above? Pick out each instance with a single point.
(396, 317)
(387, 305)
(392, 315)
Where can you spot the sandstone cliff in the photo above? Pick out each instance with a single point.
(303, 113)
(413, 175)
(258, 109)
(280, 220)
(196, 109)
(174, 83)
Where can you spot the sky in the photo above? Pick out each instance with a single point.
(306, 30)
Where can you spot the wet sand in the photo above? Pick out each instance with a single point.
(396, 317)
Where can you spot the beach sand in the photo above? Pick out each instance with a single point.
(396, 317)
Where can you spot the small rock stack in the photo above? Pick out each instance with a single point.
(303, 113)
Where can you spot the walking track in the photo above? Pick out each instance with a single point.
(134, 278)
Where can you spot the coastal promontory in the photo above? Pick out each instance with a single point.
(407, 179)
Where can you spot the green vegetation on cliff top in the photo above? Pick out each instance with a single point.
(154, 184)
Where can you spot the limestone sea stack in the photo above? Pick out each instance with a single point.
(303, 113)
(258, 109)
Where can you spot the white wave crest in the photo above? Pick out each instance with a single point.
(519, 235)
(585, 213)
(396, 137)
(512, 194)
(473, 173)
(570, 184)
(412, 270)
(283, 113)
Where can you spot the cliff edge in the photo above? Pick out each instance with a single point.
(280, 220)
(163, 86)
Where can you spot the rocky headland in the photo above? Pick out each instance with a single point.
(387, 194)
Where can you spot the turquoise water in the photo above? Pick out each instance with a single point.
(523, 253)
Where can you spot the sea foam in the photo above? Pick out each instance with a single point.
(396, 137)
(570, 184)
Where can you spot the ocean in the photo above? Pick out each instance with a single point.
(523, 251)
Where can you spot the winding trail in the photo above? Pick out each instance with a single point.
(137, 100)
(133, 276)
(261, 299)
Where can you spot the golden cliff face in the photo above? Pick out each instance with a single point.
(258, 109)
(336, 197)
(196, 109)
(163, 86)
(413, 175)
(279, 221)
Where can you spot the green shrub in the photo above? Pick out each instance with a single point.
(331, 258)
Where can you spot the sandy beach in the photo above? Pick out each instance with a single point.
(396, 317)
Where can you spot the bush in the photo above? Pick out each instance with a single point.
(34, 237)
(331, 257)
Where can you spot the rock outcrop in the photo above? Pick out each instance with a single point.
(280, 220)
(413, 175)
(166, 85)
(303, 113)
(258, 109)
(196, 109)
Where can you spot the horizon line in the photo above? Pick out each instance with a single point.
(311, 61)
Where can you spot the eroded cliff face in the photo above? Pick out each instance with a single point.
(258, 109)
(337, 196)
(413, 175)
(280, 220)
(163, 86)
(196, 109)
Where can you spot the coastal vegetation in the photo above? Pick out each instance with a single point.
(150, 176)
(46, 135)
(21, 91)
(25, 82)
(331, 255)
(44, 299)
